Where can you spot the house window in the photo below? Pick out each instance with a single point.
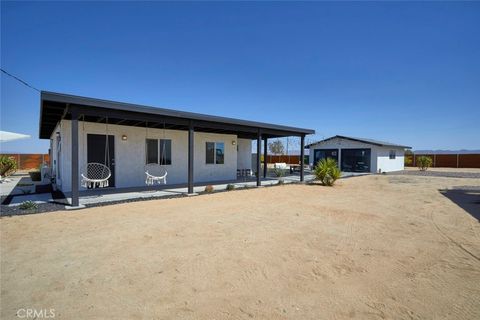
(392, 154)
(215, 153)
(165, 151)
(159, 151)
(152, 151)
(219, 152)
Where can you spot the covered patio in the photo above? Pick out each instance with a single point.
(100, 196)
(107, 196)
(56, 107)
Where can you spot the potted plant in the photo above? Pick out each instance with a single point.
(35, 175)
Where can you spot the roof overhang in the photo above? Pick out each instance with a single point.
(366, 141)
(57, 106)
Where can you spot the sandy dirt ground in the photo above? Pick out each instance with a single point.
(445, 169)
(373, 247)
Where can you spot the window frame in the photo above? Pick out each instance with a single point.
(159, 152)
(146, 151)
(392, 155)
(166, 151)
(215, 156)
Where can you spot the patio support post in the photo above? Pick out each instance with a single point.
(259, 153)
(265, 160)
(190, 157)
(302, 156)
(75, 176)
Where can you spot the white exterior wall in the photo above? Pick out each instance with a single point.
(386, 164)
(380, 156)
(55, 145)
(244, 158)
(202, 171)
(130, 154)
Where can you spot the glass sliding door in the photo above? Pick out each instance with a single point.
(320, 154)
(356, 160)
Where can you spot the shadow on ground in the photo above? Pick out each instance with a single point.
(467, 198)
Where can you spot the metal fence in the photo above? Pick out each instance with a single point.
(27, 161)
(471, 160)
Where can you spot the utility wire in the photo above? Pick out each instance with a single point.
(20, 80)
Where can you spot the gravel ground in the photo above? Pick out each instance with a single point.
(444, 174)
(6, 210)
(42, 208)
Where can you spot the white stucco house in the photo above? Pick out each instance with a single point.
(359, 154)
(191, 147)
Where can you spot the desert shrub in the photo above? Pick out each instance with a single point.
(278, 172)
(28, 205)
(424, 162)
(230, 187)
(327, 171)
(8, 165)
(408, 160)
(209, 188)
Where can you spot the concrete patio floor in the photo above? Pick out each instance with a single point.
(99, 196)
(115, 195)
(8, 185)
(102, 196)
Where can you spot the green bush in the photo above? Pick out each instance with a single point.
(28, 205)
(8, 165)
(278, 172)
(408, 161)
(327, 171)
(230, 187)
(424, 163)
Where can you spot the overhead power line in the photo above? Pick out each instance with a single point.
(19, 80)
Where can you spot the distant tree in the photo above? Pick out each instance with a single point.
(276, 147)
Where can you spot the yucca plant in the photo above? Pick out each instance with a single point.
(327, 171)
(278, 172)
(28, 205)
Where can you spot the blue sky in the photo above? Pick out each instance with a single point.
(403, 72)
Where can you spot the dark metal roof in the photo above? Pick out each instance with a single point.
(368, 141)
(57, 106)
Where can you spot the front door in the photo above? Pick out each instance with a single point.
(320, 154)
(96, 152)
